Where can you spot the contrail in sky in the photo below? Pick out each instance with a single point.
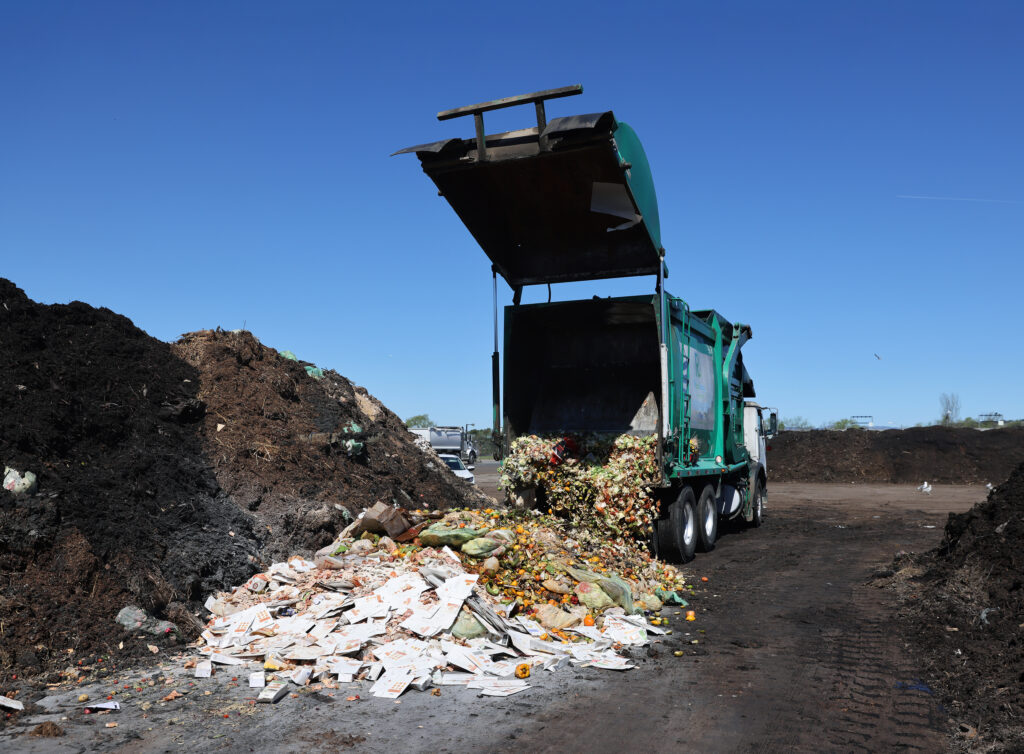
(958, 199)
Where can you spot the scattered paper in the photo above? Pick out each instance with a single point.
(103, 706)
(391, 685)
(273, 692)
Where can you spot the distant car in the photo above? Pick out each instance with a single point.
(459, 468)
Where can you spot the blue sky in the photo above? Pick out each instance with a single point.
(193, 165)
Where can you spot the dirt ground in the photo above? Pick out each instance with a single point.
(797, 649)
(961, 606)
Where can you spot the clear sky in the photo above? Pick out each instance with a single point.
(846, 177)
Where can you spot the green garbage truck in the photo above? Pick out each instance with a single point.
(571, 200)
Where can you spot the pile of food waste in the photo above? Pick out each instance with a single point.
(599, 483)
(473, 598)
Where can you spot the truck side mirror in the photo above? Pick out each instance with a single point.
(773, 424)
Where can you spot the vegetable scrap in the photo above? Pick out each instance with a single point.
(599, 483)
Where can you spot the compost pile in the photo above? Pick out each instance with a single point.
(420, 613)
(304, 448)
(964, 603)
(944, 455)
(598, 483)
(142, 501)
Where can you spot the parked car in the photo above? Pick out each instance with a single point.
(459, 468)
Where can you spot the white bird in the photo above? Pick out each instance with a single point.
(926, 488)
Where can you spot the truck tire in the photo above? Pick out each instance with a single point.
(707, 519)
(757, 505)
(675, 535)
(472, 457)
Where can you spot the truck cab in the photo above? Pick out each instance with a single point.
(759, 425)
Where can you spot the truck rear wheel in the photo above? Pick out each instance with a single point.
(707, 519)
(676, 534)
(757, 505)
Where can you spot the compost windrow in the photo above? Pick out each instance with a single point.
(963, 607)
(167, 472)
(940, 455)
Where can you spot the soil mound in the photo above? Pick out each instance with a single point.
(943, 455)
(276, 437)
(965, 614)
(142, 501)
(127, 511)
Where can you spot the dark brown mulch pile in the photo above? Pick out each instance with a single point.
(128, 510)
(142, 501)
(964, 612)
(275, 437)
(943, 455)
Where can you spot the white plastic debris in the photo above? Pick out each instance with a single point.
(18, 483)
(368, 616)
(9, 703)
(272, 693)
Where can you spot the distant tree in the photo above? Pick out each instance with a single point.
(844, 424)
(482, 441)
(420, 421)
(950, 403)
(794, 422)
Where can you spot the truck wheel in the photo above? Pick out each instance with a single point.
(707, 519)
(676, 534)
(757, 505)
(472, 458)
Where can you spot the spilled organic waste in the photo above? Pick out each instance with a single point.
(598, 483)
(476, 598)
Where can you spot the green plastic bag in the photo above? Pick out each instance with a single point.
(481, 547)
(440, 534)
(619, 591)
(581, 574)
(315, 372)
(593, 596)
(288, 355)
(468, 627)
(670, 597)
